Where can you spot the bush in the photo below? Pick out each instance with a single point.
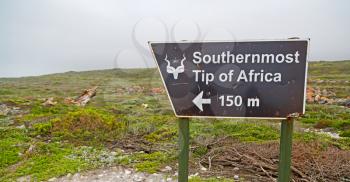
(87, 125)
(42, 128)
(323, 124)
(345, 134)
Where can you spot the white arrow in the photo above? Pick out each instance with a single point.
(199, 101)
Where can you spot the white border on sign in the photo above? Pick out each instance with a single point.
(212, 41)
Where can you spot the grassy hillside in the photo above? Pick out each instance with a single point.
(130, 124)
(333, 76)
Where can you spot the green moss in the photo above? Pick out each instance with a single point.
(149, 162)
(144, 162)
(148, 166)
(246, 131)
(47, 161)
(12, 143)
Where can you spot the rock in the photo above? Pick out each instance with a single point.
(324, 92)
(342, 102)
(69, 175)
(21, 127)
(332, 135)
(49, 102)
(236, 177)
(24, 179)
(203, 168)
(166, 169)
(4, 110)
(310, 95)
(76, 176)
(236, 169)
(52, 179)
(114, 153)
(317, 98)
(16, 111)
(193, 175)
(157, 90)
(328, 129)
(127, 172)
(138, 179)
(100, 175)
(30, 149)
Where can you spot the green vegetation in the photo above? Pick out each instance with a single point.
(163, 134)
(150, 163)
(327, 116)
(12, 143)
(41, 163)
(333, 76)
(86, 125)
(41, 142)
(146, 162)
(199, 179)
(247, 131)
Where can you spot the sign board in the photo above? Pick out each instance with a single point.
(254, 79)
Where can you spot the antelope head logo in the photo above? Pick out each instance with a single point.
(175, 71)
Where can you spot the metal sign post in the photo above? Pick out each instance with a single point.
(285, 150)
(184, 137)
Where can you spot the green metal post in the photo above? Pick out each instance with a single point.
(184, 135)
(285, 150)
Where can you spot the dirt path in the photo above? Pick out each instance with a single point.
(114, 174)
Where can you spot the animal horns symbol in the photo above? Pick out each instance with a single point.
(183, 59)
(166, 59)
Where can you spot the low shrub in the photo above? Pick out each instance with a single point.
(87, 125)
(345, 134)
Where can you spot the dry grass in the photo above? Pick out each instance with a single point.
(259, 162)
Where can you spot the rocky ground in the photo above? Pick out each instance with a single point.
(114, 174)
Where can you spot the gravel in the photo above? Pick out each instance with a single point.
(114, 174)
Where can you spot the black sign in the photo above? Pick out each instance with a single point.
(265, 79)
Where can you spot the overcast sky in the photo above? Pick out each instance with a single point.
(48, 36)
